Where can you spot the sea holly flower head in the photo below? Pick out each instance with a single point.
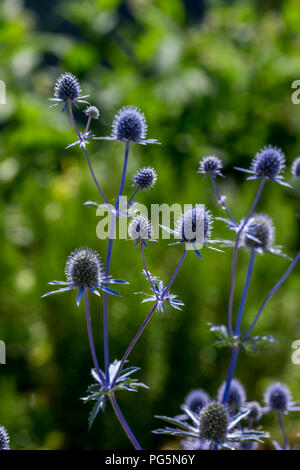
(213, 424)
(237, 394)
(92, 112)
(268, 163)
(145, 178)
(161, 296)
(97, 393)
(84, 270)
(257, 235)
(196, 400)
(129, 125)
(194, 227)
(140, 229)
(296, 168)
(255, 412)
(67, 89)
(278, 398)
(4, 439)
(210, 166)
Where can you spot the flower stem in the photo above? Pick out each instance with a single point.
(245, 292)
(221, 201)
(86, 153)
(285, 442)
(275, 288)
(146, 321)
(235, 254)
(123, 422)
(107, 266)
(91, 338)
(133, 196)
(230, 374)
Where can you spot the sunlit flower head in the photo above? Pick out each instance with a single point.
(237, 394)
(4, 439)
(84, 271)
(140, 229)
(145, 178)
(92, 112)
(268, 163)
(210, 166)
(194, 225)
(129, 125)
(67, 89)
(214, 421)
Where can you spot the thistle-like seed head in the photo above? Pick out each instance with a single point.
(277, 397)
(196, 400)
(269, 162)
(194, 225)
(296, 167)
(255, 411)
(84, 268)
(145, 178)
(129, 125)
(139, 228)
(237, 394)
(210, 165)
(214, 420)
(4, 439)
(67, 87)
(92, 112)
(261, 227)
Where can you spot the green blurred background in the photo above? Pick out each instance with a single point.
(211, 77)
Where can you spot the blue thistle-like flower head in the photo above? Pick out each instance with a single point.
(129, 125)
(255, 411)
(67, 89)
(278, 398)
(196, 400)
(84, 271)
(259, 233)
(214, 421)
(210, 166)
(145, 178)
(92, 112)
(140, 229)
(84, 268)
(296, 168)
(4, 439)
(268, 163)
(237, 394)
(194, 225)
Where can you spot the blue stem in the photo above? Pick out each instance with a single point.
(235, 254)
(230, 374)
(245, 292)
(285, 442)
(91, 338)
(123, 422)
(275, 288)
(213, 179)
(107, 266)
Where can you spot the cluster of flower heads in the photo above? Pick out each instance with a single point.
(215, 423)
(84, 271)
(4, 439)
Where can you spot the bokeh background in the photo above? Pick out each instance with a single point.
(211, 77)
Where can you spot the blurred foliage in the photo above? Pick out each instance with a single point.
(211, 77)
